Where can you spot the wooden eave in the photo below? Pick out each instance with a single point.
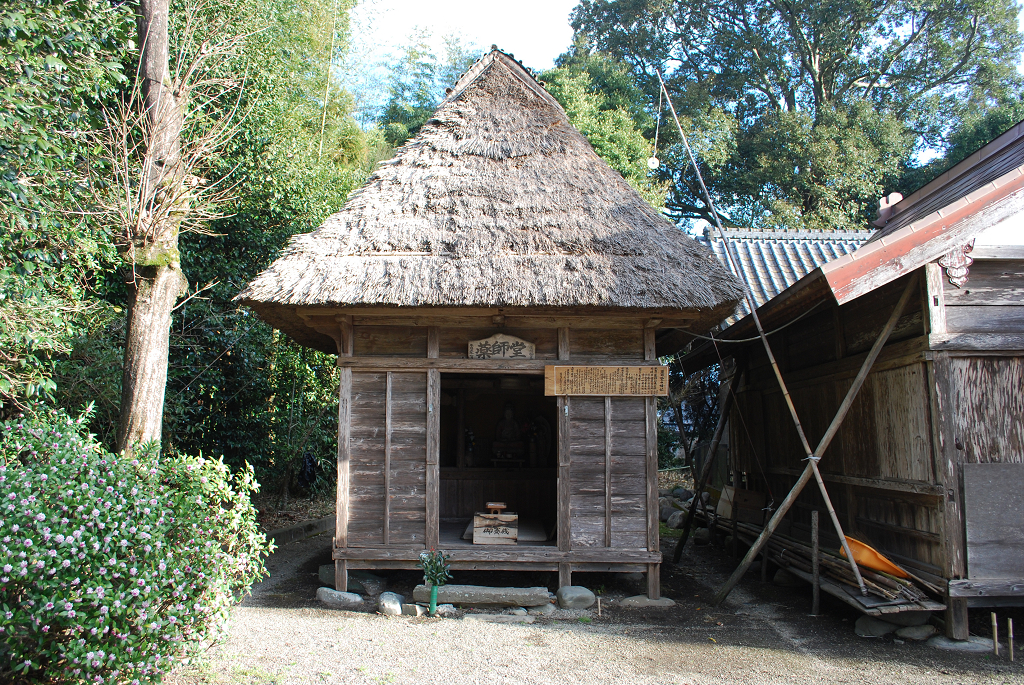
(876, 263)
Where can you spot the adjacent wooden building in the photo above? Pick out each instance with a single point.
(494, 246)
(929, 464)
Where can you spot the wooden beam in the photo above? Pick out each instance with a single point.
(978, 342)
(457, 365)
(607, 471)
(903, 486)
(934, 300)
(649, 347)
(563, 343)
(993, 587)
(541, 553)
(564, 575)
(387, 459)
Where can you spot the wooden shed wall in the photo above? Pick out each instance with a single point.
(880, 469)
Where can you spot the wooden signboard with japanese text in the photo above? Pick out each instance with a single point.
(642, 381)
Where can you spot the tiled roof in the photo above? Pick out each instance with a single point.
(771, 261)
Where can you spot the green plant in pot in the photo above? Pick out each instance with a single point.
(436, 572)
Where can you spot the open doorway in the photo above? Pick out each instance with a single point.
(499, 442)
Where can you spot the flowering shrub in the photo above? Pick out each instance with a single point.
(112, 568)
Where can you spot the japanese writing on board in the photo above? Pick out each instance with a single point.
(606, 380)
(501, 346)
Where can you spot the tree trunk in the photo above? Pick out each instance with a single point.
(153, 248)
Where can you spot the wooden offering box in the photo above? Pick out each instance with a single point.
(495, 529)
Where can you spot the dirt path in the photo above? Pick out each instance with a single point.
(762, 635)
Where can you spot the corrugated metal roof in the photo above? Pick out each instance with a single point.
(771, 261)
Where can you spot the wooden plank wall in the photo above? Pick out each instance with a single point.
(988, 408)
(387, 462)
(992, 300)
(608, 483)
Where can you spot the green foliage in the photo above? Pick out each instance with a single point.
(114, 569)
(604, 106)
(417, 83)
(806, 112)
(59, 63)
(436, 569)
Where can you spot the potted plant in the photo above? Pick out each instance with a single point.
(436, 572)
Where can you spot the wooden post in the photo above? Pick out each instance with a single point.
(815, 564)
(654, 581)
(607, 471)
(341, 575)
(341, 508)
(823, 444)
(995, 635)
(653, 532)
(564, 575)
(387, 459)
(433, 472)
(947, 473)
(460, 428)
(564, 465)
(1009, 635)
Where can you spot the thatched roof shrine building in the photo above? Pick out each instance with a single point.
(494, 245)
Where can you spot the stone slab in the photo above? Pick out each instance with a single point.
(479, 595)
(916, 632)
(498, 618)
(973, 644)
(644, 602)
(414, 610)
(869, 626)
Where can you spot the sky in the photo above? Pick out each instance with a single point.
(535, 31)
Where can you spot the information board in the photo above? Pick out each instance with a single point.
(606, 380)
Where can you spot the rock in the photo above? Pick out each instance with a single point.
(676, 520)
(447, 610)
(339, 600)
(973, 644)
(414, 610)
(575, 597)
(664, 493)
(543, 610)
(644, 602)
(682, 494)
(702, 536)
(916, 632)
(869, 626)
(909, 618)
(498, 618)
(518, 611)
(361, 582)
(666, 507)
(784, 578)
(479, 595)
(390, 603)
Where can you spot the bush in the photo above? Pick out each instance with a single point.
(114, 568)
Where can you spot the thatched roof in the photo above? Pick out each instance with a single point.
(497, 202)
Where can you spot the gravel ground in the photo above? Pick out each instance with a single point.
(761, 635)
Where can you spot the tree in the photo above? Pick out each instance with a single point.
(804, 112)
(60, 65)
(417, 83)
(603, 103)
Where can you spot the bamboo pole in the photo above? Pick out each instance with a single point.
(995, 634)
